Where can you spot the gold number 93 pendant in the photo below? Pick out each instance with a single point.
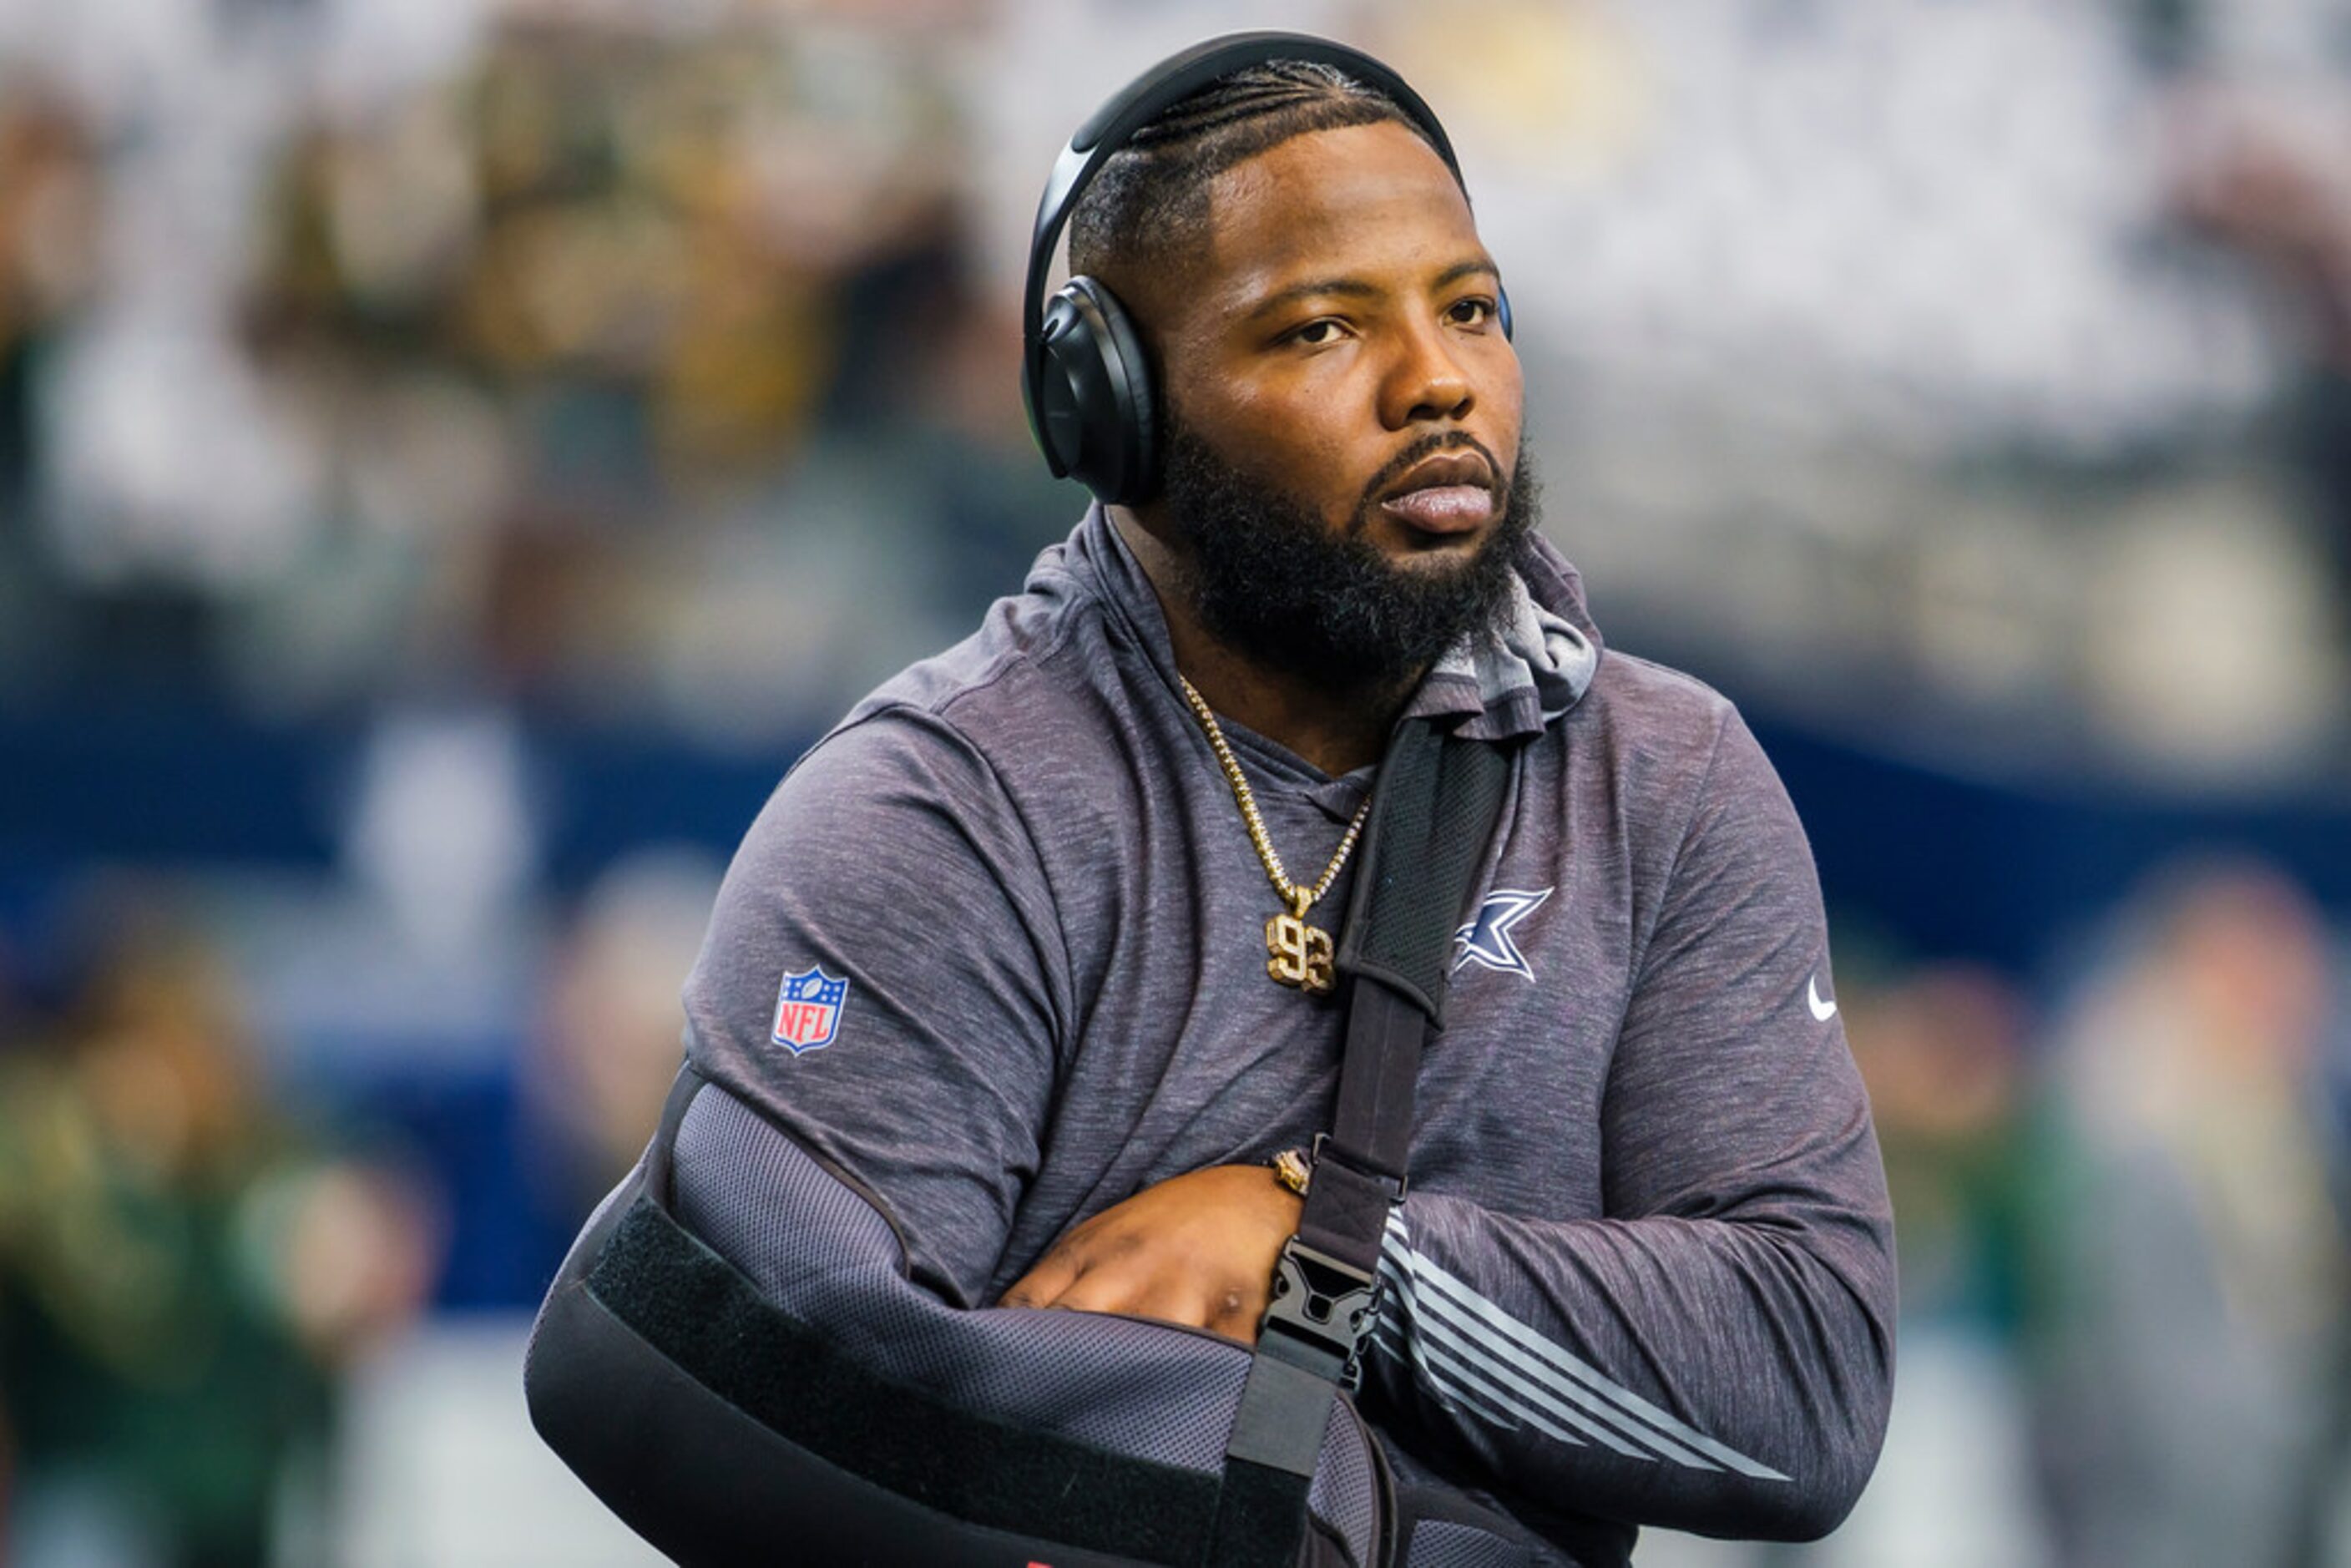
(1299, 955)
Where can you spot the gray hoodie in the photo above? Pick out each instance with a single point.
(996, 946)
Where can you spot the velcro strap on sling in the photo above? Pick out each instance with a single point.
(719, 1413)
(1435, 805)
(712, 1323)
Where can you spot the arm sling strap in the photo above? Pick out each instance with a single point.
(1433, 815)
(733, 1358)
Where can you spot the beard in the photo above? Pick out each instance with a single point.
(1270, 579)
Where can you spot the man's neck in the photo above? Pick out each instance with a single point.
(1337, 731)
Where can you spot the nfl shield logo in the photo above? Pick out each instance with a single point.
(808, 1010)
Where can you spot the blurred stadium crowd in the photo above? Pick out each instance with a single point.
(454, 453)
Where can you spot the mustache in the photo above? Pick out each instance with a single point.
(1435, 441)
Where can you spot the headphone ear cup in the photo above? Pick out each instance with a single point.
(1138, 402)
(1502, 310)
(1096, 419)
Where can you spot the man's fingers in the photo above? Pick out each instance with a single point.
(1103, 1290)
(1042, 1285)
(1117, 1286)
(1063, 1279)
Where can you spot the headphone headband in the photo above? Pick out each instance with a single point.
(1135, 105)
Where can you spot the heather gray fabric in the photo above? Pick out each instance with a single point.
(1645, 1269)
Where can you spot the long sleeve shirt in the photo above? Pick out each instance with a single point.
(996, 946)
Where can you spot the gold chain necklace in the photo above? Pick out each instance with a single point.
(1297, 954)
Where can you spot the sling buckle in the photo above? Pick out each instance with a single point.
(1321, 1313)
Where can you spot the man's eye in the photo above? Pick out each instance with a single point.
(1470, 312)
(1314, 334)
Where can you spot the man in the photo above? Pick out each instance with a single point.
(1017, 902)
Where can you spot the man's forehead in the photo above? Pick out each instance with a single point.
(1360, 200)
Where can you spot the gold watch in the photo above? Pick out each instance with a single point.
(1291, 1169)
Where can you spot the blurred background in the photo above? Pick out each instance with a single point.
(455, 453)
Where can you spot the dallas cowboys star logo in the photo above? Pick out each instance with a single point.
(1487, 939)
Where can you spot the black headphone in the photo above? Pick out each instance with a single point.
(1083, 374)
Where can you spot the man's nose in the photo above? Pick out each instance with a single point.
(1427, 382)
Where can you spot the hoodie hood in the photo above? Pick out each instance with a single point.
(1514, 678)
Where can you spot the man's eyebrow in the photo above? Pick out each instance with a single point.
(1476, 267)
(1352, 288)
(1359, 288)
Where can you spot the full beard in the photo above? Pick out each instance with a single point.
(1270, 579)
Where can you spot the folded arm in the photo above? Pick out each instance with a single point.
(1717, 1352)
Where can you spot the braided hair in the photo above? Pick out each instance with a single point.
(1151, 198)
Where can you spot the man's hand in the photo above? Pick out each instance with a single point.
(1197, 1248)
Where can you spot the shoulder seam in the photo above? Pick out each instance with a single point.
(937, 707)
(1011, 658)
(1064, 1000)
(1639, 959)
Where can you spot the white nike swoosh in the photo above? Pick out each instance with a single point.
(1821, 1010)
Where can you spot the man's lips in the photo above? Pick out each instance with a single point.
(1447, 493)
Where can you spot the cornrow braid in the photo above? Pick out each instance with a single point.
(1151, 198)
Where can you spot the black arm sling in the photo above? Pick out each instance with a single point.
(733, 1360)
